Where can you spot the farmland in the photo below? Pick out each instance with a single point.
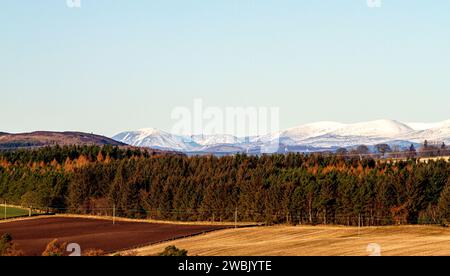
(315, 241)
(32, 235)
(12, 212)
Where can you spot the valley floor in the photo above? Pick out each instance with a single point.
(314, 241)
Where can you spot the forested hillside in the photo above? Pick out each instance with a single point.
(51, 138)
(292, 188)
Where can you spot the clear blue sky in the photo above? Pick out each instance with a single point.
(115, 65)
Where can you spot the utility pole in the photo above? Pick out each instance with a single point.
(5, 209)
(359, 224)
(31, 207)
(114, 214)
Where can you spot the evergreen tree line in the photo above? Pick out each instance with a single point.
(61, 153)
(292, 188)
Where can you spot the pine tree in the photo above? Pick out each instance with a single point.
(412, 151)
(444, 204)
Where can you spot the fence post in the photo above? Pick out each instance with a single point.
(359, 224)
(114, 214)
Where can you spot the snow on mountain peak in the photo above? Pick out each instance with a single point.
(149, 131)
(311, 130)
(321, 135)
(378, 128)
(155, 138)
(214, 139)
(426, 126)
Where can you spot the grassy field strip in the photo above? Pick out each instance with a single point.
(314, 240)
(13, 211)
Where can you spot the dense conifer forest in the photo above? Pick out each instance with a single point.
(292, 188)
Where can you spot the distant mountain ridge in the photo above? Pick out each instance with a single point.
(50, 138)
(320, 136)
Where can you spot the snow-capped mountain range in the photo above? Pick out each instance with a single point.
(312, 137)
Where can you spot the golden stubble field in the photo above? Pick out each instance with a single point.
(314, 241)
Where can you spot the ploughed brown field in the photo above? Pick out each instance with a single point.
(32, 235)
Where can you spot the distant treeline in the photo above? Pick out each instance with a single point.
(61, 154)
(385, 151)
(293, 188)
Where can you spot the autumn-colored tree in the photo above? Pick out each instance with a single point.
(81, 161)
(173, 251)
(4, 163)
(8, 247)
(5, 243)
(55, 249)
(68, 165)
(54, 163)
(100, 157)
(107, 159)
(93, 252)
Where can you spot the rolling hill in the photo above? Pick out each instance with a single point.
(50, 138)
